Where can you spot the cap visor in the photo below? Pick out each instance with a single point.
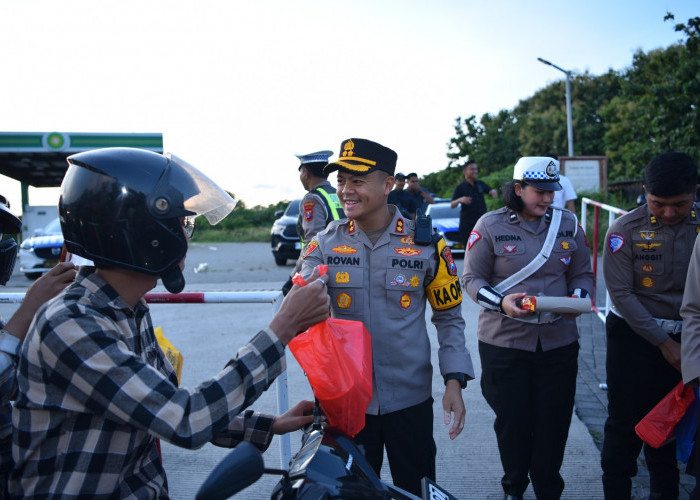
(546, 186)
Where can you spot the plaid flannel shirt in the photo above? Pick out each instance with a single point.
(95, 390)
(8, 387)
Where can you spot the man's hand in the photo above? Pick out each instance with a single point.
(42, 290)
(296, 417)
(301, 308)
(453, 403)
(671, 351)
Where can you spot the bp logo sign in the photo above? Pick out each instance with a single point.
(55, 141)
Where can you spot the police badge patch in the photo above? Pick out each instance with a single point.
(615, 242)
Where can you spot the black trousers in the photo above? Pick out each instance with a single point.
(638, 378)
(408, 437)
(532, 394)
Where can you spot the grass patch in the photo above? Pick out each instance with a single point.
(257, 234)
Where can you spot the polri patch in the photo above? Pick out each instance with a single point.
(615, 242)
(313, 245)
(309, 210)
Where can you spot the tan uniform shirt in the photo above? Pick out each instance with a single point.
(690, 312)
(384, 286)
(645, 265)
(501, 244)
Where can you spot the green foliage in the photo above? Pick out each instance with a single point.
(627, 116)
(242, 224)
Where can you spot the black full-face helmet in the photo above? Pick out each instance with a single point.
(9, 224)
(123, 207)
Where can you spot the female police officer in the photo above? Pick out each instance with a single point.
(529, 360)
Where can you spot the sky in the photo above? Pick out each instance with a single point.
(238, 87)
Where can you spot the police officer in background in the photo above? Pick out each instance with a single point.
(529, 361)
(381, 272)
(646, 260)
(319, 206)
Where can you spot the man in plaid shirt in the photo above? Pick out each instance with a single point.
(95, 390)
(12, 333)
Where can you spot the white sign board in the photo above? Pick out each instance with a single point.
(584, 174)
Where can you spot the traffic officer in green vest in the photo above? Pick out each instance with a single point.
(319, 206)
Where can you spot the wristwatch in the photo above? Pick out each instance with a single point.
(460, 377)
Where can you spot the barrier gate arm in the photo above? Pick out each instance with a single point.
(250, 297)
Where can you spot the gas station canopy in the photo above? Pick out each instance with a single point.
(39, 158)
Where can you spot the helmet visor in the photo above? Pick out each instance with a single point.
(201, 195)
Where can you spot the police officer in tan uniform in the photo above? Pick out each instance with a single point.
(529, 360)
(381, 272)
(690, 348)
(645, 263)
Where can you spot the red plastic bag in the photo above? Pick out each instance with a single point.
(336, 356)
(658, 426)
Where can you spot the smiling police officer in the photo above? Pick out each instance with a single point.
(382, 269)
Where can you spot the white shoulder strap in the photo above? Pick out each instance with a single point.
(538, 261)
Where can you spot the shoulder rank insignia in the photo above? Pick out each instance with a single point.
(399, 225)
(351, 227)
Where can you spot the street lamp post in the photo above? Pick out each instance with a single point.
(569, 125)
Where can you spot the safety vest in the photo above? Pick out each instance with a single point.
(334, 210)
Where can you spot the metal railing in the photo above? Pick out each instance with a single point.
(601, 311)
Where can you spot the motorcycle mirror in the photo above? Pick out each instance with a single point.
(241, 468)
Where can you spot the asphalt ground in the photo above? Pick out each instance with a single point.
(208, 335)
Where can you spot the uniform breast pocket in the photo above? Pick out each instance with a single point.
(345, 286)
(402, 291)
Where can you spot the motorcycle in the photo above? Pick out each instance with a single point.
(328, 465)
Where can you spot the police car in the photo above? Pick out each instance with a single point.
(284, 238)
(41, 252)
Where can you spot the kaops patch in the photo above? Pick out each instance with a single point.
(345, 249)
(408, 251)
(343, 300)
(313, 245)
(406, 301)
(615, 242)
(473, 238)
(444, 292)
(309, 210)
